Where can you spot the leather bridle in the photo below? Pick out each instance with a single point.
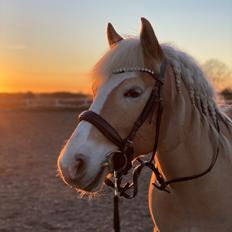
(122, 159)
(125, 145)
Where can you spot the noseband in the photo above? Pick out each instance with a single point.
(122, 160)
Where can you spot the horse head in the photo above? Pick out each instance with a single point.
(122, 85)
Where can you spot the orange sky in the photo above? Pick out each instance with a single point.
(47, 47)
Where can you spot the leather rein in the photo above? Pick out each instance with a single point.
(122, 159)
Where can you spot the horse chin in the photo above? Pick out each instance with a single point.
(95, 185)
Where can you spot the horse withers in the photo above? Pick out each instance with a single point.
(192, 130)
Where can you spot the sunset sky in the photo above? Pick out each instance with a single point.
(51, 45)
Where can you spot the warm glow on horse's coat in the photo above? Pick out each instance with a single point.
(188, 136)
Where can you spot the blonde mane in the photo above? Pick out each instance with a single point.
(128, 53)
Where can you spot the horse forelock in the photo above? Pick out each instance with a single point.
(126, 54)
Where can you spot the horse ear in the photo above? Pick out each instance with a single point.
(112, 35)
(150, 44)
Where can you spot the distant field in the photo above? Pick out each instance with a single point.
(33, 199)
(45, 101)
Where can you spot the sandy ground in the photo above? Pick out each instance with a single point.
(32, 198)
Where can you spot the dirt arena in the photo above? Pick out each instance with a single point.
(32, 198)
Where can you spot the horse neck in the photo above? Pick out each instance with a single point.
(187, 136)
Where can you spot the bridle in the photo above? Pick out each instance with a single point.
(125, 145)
(122, 160)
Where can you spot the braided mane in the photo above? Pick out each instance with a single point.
(128, 53)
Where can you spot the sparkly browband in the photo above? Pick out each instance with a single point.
(137, 69)
(122, 70)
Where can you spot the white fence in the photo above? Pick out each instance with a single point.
(38, 102)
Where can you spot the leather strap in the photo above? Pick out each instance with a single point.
(103, 126)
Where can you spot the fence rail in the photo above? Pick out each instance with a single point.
(38, 102)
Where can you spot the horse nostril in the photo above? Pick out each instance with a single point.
(77, 170)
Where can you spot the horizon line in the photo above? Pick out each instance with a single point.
(44, 92)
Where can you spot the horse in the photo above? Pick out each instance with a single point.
(192, 130)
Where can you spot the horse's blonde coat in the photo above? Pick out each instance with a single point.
(188, 138)
(190, 82)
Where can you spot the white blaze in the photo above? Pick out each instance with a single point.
(80, 141)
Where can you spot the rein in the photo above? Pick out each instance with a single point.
(122, 159)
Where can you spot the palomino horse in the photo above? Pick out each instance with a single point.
(192, 129)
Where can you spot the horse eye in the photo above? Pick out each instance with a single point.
(133, 93)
